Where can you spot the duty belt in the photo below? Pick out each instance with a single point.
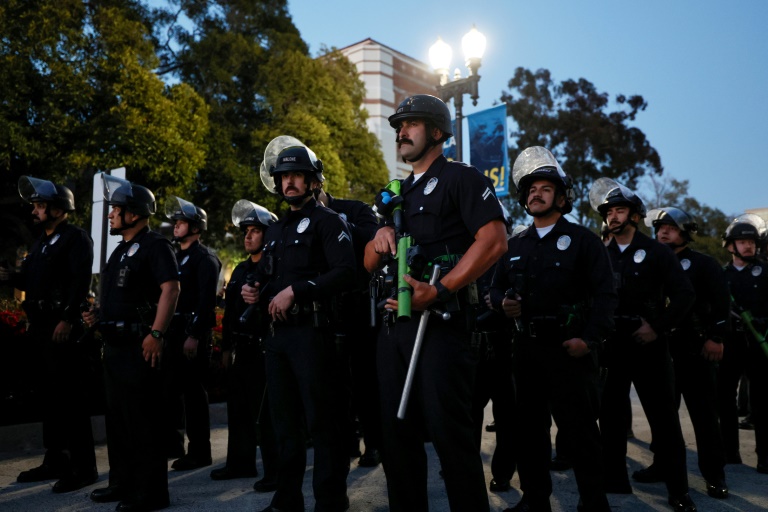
(121, 329)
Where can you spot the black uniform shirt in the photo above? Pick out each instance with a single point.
(647, 276)
(711, 311)
(362, 224)
(235, 306)
(568, 267)
(132, 277)
(199, 279)
(749, 287)
(58, 270)
(311, 250)
(446, 207)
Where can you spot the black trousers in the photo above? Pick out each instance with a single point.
(62, 376)
(440, 405)
(742, 354)
(301, 387)
(495, 382)
(649, 367)
(361, 347)
(696, 381)
(135, 423)
(185, 389)
(551, 382)
(248, 418)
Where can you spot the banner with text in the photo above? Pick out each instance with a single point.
(488, 146)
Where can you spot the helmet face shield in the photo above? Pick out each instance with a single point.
(246, 213)
(116, 190)
(746, 226)
(134, 198)
(537, 162)
(34, 190)
(274, 148)
(179, 209)
(606, 193)
(672, 216)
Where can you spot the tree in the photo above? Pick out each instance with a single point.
(80, 96)
(572, 120)
(247, 60)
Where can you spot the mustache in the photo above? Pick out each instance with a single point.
(404, 140)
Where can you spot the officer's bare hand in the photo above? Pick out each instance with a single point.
(62, 331)
(190, 347)
(282, 303)
(424, 294)
(712, 351)
(513, 308)
(384, 241)
(249, 293)
(152, 349)
(89, 317)
(576, 347)
(645, 334)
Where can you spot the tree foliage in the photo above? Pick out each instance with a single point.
(79, 95)
(575, 121)
(247, 60)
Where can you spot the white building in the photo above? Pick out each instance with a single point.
(389, 77)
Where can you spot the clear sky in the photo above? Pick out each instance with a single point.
(702, 66)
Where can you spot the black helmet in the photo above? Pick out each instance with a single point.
(747, 226)
(424, 106)
(606, 193)
(179, 209)
(34, 190)
(538, 163)
(673, 217)
(298, 158)
(246, 213)
(134, 198)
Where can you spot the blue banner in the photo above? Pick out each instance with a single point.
(449, 146)
(488, 146)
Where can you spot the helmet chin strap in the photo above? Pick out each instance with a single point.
(123, 225)
(748, 259)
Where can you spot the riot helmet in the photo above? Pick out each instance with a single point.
(424, 106)
(246, 213)
(180, 209)
(747, 226)
(132, 198)
(35, 190)
(674, 217)
(607, 193)
(538, 163)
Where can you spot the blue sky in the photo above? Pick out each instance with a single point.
(702, 66)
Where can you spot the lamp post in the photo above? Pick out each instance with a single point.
(473, 45)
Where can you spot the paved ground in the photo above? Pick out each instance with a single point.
(195, 491)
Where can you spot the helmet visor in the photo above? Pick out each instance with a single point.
(273, 149)
(36, 190)
(179, 209)
(535, 158)
(604, 189)
(246, 212)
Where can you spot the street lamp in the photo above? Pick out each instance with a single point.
(473, 45)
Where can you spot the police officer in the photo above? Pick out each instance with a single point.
(357, 337)
(451, 211)
(188, 340)
(696, 346)
(56, 275)
(248, 420)
(648, 276)
(495, 382)
(308, 259)
(747, 278)
(139, 290)
(555, 281)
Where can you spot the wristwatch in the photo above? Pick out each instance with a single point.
(158, 335)
(443, 293)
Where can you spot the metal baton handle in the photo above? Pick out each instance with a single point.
(416, 349)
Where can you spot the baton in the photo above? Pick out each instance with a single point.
(417, 347)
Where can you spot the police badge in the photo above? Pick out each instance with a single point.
(303, 225)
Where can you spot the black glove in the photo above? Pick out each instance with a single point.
(385, 203)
